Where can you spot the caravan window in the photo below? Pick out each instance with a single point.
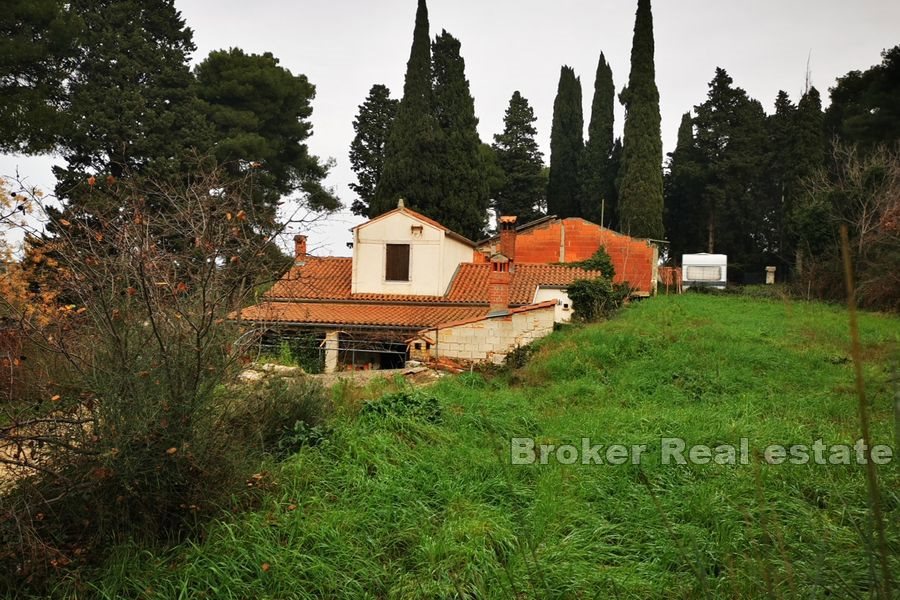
(704, 273)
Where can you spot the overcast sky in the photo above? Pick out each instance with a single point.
(345, 46)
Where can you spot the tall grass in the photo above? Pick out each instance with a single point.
(398, 506)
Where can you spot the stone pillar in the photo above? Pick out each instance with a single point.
(332, 344)
(770, 275)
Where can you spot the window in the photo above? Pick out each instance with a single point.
(703, 273)
(396, 262)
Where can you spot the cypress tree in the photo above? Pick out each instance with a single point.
(521, 160)
(641, 192)
(566, 147)
(597, 177)
(463, 181)
(804, 229)
(411, 163)
(372, 126)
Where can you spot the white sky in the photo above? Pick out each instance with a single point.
(345, 46)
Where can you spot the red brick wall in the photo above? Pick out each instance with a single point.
(632, 258)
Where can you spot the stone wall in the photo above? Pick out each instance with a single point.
(492, 338)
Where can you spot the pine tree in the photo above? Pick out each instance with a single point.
(463, 182)
(597, 176)
(37, 45)
(131, 102)
(684, 216)
(411, 162)
(730, 138)
(566, 147)
(640, 204)
(259, 112)
(521, 160)
(372, 126)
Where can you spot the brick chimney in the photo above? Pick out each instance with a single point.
(508, 237)
(498, 284)
(299, 247)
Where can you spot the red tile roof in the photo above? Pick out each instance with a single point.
(471, 281)
(351, 313)
(512, 311)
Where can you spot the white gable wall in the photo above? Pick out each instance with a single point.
(563, 310)
(433, 256)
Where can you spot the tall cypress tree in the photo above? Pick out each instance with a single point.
(566, 147)
(597, 176)
(641, 192)
(372, 126)
(411, 163)
(463, 181)
(521, 160)
(804, 228)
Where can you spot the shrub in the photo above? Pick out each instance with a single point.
(598, 298)
(415, 404)
(600, 261)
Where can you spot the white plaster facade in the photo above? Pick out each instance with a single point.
(563, 312)
(433, 255)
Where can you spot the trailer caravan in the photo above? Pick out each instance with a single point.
(707, 270)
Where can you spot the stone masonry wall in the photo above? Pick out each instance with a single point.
(491, 339)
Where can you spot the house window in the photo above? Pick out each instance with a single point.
(396, 262)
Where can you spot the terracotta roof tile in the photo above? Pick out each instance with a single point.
(322, 278)
(351, 313)
(471, 281)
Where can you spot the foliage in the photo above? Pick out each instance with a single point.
(260, 113)
(37, 44)
(521, 160)
(280, 416)
(372, 127)
(864, 109)
(301, 350)
(124, 432)
(416, 404)
(463, 181)
(411, 162)
(598, 190)
(600, 261)
(595, 299)
(566, 147)
(861, 191)
(683, 186)
(640, 203)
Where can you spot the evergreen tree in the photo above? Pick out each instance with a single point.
(597, 176)
(566, 147)
(864, 108)
(521, 161)
(730, 138)
(37, 44)
(412, 166)
(372, 126)
(463, 182)
(684, 216)
(131, 104)
(810, 156)
(259, 113)
(640, 204)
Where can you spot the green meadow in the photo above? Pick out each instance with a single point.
(421, 500)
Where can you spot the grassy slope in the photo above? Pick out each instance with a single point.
(402, 509)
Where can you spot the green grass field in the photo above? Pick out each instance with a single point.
(400, 507)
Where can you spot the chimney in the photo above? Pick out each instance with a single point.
(299, 247)
(508, 237)
(498, 284)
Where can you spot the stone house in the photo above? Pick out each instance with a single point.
(415, 289)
